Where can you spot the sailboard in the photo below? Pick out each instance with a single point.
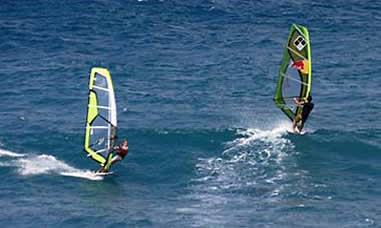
(103, 173)
(294, 78)
(101, 120)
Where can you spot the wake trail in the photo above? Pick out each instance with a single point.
(5, 153)
(30, 165)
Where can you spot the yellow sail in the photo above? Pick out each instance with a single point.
(101, 121)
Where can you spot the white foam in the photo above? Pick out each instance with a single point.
(5, 164)
(254, 151)
(43, 164)
(83, 174)
(47, 164)
(5, 153)
(272, 136)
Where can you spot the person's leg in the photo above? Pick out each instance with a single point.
(300, 127)
(116, 159)
(101, 169)
(295, 122)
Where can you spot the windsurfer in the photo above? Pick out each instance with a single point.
(300, 119)
(121, 152)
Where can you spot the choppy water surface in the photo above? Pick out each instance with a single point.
(194, 83)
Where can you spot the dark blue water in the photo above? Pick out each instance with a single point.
(194, 82)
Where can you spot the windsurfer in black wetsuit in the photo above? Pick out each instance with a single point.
(300, 119)
(121, 152)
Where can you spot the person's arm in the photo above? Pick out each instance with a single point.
(298, 102)
(116, 148)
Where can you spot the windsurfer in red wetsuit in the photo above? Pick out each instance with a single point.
(121, 152)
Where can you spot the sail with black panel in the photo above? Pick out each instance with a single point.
(101, 121)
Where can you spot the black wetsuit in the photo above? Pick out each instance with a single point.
(307, 108)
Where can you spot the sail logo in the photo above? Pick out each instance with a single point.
(301, 65)
(300, 43)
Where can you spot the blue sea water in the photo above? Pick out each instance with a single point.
(194, 82)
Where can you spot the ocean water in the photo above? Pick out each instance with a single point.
(194, 82)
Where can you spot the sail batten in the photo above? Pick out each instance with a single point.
(301, 32)
(294, 79)
(296, 53)
(98, 106)
(101, 88)
(101, 119)
(99, 127)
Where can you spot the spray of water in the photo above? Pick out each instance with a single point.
(253, 164)
(43, 165)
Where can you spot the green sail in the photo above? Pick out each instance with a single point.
(294, 78)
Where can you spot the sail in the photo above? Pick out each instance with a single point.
(101, 122)
(295, 72)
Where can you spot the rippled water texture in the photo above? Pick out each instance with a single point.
(194, 82)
